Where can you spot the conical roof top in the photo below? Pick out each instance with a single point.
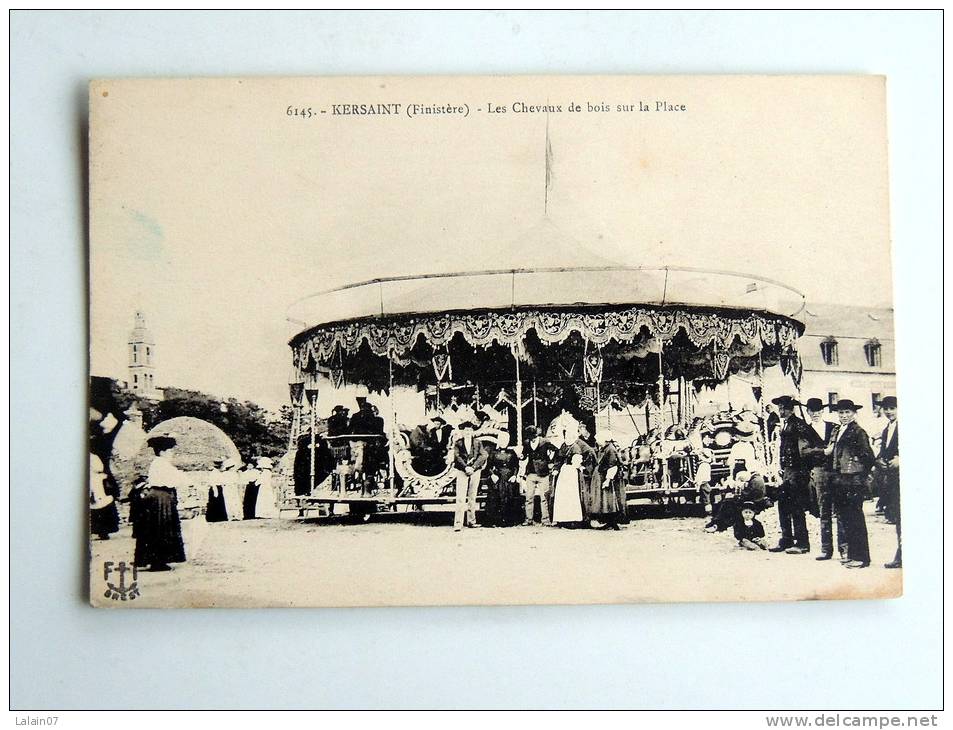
(541, 266)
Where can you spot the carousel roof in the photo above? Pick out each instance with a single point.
(547, 288)
(542, 268)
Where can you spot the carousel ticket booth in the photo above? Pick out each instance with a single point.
(620, 348)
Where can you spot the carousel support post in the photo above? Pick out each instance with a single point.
(598, 401)
(661, 405)
(535, 416)
(765, 448)
(519, 399)
(313, 400)
(311, 394)
(678, 408)
(393, 426)
(292, 430)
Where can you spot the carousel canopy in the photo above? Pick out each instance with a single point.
(543, 267)
(712, 316)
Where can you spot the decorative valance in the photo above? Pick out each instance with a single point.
(719, 330)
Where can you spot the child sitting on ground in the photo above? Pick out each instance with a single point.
(748, 531)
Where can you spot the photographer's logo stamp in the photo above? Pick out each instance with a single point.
(121, 581)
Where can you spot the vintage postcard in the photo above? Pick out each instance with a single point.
(490, 340)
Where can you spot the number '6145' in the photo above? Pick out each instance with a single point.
(299, 111)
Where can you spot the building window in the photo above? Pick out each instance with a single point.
(829, 351)
(148, 355)
(872, 353)
(135, 380)
(135, 354)
(832, 399)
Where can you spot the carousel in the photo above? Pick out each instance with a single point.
(383, 372)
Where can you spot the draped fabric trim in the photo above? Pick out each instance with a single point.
(481, 329)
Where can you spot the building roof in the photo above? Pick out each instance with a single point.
(844, 320)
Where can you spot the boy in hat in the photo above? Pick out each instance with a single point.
(852, 460)
(888, 465)
(793, 494)
(749, 532)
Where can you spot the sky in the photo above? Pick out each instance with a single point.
(212, 209)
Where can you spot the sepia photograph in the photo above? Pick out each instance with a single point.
(380, 341)
(476, 360)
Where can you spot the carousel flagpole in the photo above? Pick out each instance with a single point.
(549, 169)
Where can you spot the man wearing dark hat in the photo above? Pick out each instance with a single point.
(469, 458)
(337, 421)
(365, 421)
(793, 494)
(821, 488)
(539, 457)
(888, 465)
(427, 451)
(852, 460)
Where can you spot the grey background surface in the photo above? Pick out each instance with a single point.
(883, 655)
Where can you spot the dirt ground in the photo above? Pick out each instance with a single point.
(416, 558)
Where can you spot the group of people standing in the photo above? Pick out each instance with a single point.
(577, 483)
(234, 493)
(239, 492)
(827, 469)
(353, 447)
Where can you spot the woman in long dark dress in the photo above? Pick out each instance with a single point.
(606, 487)
(155, 511)
(503, 507)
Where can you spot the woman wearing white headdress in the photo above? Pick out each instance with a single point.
(232, 490)
(567, 501)
(266, 506)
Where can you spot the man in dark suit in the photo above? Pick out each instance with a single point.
(852, 460)
(794, 493)
(365, 421)
(469, 458)
(337, 421)
(820, 482)
(536, 470)
(888, 466)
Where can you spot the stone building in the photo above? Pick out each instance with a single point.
(848, 352)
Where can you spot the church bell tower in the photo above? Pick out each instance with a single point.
(142, 351)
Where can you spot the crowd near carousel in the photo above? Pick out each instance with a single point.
(559, 396)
